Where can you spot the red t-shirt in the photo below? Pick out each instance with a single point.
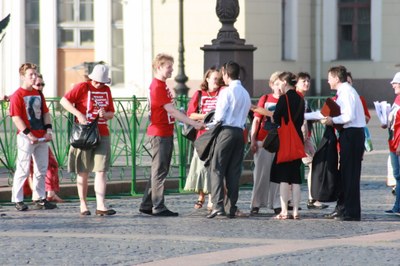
(208, 101)
(267, 101)
(88, 100)
(161, 122)
(30, 106)
(394, 125)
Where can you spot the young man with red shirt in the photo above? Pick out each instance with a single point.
(31, 116)
(161, 129)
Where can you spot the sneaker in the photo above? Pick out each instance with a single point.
(166, 213)
(21, 206)
(43, 204)
(389, 212)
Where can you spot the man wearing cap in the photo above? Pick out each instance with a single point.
(351, 140)
(394, 142)
(86, 101)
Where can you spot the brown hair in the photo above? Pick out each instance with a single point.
(289, 77)
(24, 67)
(340, 72)
(161, 59)
(204, 83)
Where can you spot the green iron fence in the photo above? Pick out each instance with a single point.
(130, 158)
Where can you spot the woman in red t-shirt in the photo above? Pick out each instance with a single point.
(265, 193)
(202, 102)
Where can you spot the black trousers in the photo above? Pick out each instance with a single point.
(226, 168)
(351, 142)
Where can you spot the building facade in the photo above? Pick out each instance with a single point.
(65, 36)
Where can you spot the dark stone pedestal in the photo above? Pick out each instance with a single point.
(217, 55)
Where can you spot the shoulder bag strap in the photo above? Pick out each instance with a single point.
(298, 110)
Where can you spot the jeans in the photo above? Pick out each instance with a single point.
(396, 173)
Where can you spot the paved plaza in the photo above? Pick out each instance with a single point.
(62, 237)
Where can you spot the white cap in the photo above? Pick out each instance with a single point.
(396, 78)
(100, 74)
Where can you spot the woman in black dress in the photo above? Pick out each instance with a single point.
(288, 173)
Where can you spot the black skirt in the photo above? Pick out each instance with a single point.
(288, 172)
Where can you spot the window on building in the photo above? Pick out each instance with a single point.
(32, 31)
(117, 32)
(354, 29)
(75, 23)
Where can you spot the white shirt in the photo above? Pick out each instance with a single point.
(351, 109)
(233, 105)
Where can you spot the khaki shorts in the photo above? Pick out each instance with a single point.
(96, 160)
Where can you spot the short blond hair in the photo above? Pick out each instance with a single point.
(161, 59)
(274, 76)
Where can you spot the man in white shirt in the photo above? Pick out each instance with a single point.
(351, 140)
(232, 108)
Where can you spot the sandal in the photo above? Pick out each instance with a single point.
(199, 204)
(283, 217)
(296, 217)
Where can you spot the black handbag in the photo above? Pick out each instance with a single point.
(85, 137)
(204, 144)
(189, 132)
(271, 142)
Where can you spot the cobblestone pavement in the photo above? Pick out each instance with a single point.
(62, 237)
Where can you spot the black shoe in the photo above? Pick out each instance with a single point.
(254, 210)
(166, 213)
(43, 204)
(333, 215)
(230, 215)
(149, 212)
(107, 212)
(353, 219)
(215, 213)
(21, 206)
(311, 205)
(277, 210)
(85, 213)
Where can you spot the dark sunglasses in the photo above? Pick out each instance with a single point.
(40, 84)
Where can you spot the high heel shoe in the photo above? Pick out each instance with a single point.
(107, 212)
(85, 213)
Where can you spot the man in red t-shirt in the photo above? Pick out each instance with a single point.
(31, 116)
(162, 118)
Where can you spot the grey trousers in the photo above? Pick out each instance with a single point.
(226, 168)
(153, 198)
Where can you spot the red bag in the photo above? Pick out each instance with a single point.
(291, 146)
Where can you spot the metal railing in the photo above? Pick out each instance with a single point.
(130, 156)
